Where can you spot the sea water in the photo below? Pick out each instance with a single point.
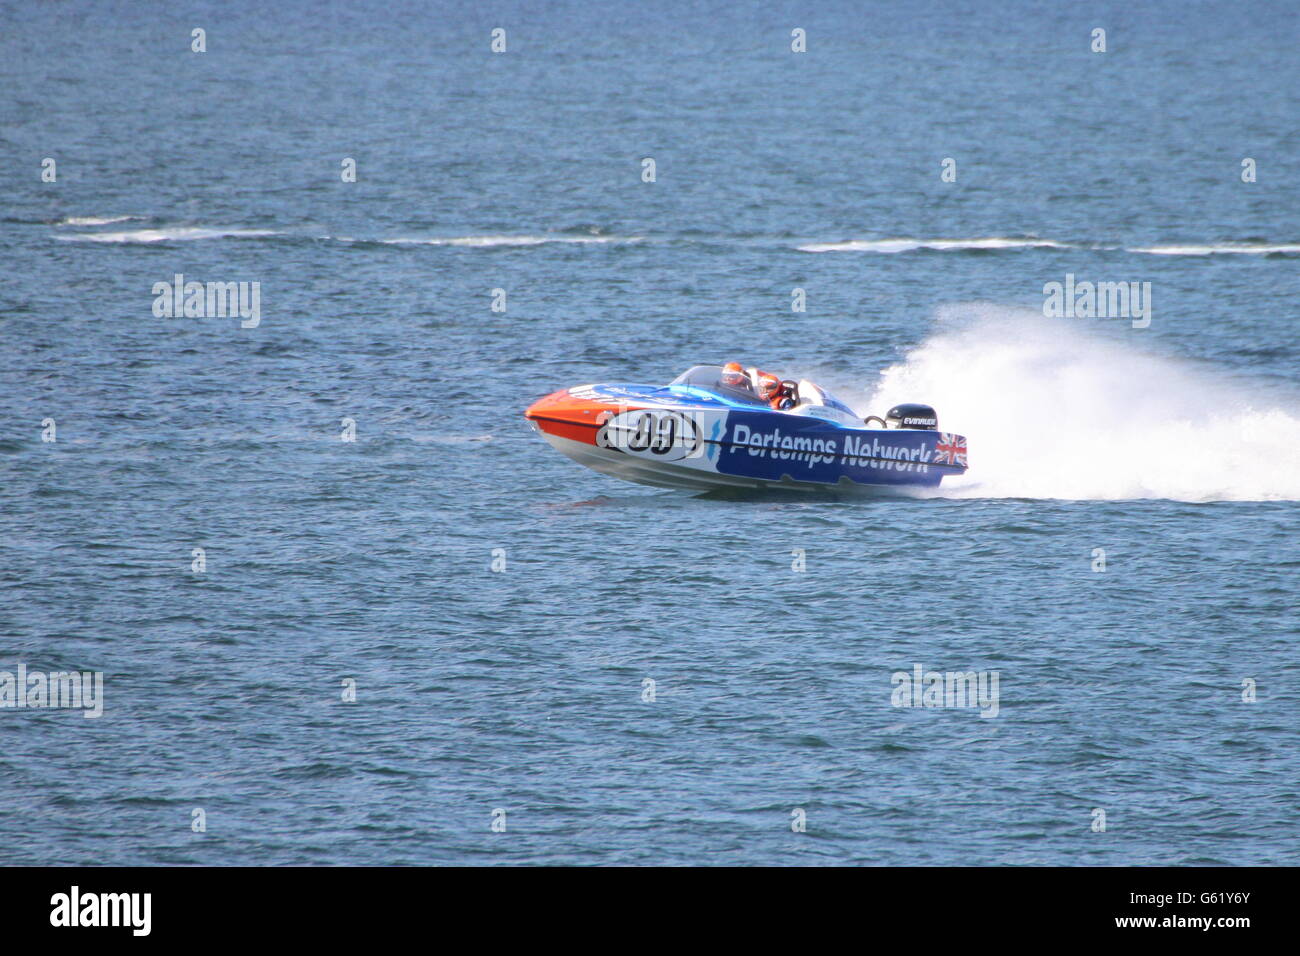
(347, 608)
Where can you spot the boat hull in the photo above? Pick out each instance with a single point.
(674, 437)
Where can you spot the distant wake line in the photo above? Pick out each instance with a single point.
(494, 241)
(178, 234)
(94, 220)
(1054, 411)
(1237, 248)
(192, 233)
(889, 246)
(911, 245)
(488, 242)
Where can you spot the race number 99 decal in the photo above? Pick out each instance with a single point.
(651, 433)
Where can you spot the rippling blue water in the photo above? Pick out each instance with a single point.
(1172, 448)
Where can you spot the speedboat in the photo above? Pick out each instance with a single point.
(699, 434)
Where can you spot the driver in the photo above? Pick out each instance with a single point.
(733, 376)
(767, 386)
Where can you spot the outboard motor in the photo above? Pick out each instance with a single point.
(912, 415)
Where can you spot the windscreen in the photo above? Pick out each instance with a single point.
(709, 378)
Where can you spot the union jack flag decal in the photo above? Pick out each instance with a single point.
(951, 450)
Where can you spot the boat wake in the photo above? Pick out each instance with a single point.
(1222, 249)
(1054, 411)
(891, 246)
(192, 233)
(938, 245)
(491, 242)
(997, 243)
(95, 220)
(173, 234)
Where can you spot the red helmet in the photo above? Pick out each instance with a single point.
(733, 375)
(769, 386)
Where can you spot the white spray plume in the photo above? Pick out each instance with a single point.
(1054, 409)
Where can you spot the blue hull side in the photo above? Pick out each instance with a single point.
(771, 447)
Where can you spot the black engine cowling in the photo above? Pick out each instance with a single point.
(912, 415)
